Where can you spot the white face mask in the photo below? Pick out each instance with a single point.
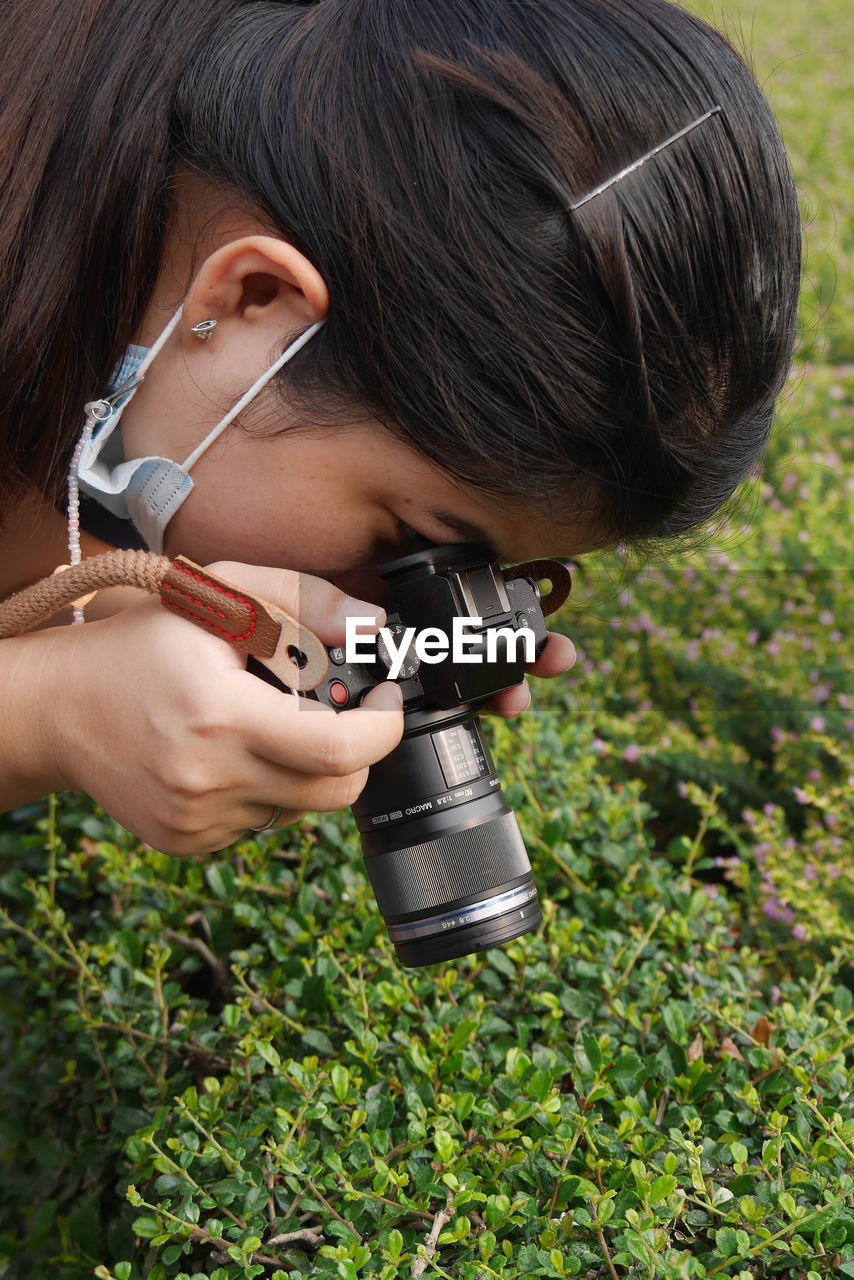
(149, 490)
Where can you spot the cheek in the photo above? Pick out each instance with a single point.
(291, 502)
(284, 526)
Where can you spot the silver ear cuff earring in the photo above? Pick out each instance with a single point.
(204, 329)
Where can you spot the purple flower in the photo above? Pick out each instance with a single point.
(826, 618)
(798, 931)
(752, 636)
(777, 734)
(776, 995)
(810, 872)
(631, 753)
(817, 724)
(682, 789)
(801, 795)
(833, 872)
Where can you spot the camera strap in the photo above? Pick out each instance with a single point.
(293, 653)
(554, 571)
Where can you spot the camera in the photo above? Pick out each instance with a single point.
(441, 846)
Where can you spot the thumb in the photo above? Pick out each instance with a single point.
(384, 697)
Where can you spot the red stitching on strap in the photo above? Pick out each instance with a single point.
(204, 622)
(201, 604)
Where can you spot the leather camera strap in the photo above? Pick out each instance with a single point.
(557, 574)
(292, 652)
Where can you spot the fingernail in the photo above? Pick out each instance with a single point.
(350, 608)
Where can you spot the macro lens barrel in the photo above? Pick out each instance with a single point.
(442, 848)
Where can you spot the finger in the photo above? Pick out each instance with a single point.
(313, 601)
(558, 656)
(291, 789)
(310, 737)
(511, 702)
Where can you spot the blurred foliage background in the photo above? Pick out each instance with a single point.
(223, 1071)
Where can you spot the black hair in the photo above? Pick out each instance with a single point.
(621, 359)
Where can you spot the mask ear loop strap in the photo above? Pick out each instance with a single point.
(251, 394)
(101, 411)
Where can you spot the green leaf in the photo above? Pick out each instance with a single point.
(221, 879)
(843, 999)
(462, 1034)
(674, 1021)
(394, 1244)
(268, 1052)
(464, 1105)
(579, 1188)
(340, 1078)
(628, 1071)
(146, 1227)
(594, 1053)
(662, 1188)
(122, 1270)
(444, 1144)
(726, 1241)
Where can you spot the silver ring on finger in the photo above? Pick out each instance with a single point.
(272, 822)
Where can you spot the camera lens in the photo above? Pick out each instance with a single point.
(442, 848)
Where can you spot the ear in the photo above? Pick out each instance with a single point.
(257, 289)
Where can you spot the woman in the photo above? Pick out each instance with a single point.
(513, 331)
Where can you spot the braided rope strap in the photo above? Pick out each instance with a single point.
(292, 652)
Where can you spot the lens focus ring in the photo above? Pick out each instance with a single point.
(465, 862)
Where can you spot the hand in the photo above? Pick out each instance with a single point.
(557, 657)
(163, 726)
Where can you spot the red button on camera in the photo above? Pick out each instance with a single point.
(339, 693)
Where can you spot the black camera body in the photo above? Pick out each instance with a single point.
(427, 592)
(442, 848)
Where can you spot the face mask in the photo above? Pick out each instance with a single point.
(149, 490)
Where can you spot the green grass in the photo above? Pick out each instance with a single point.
(658, 1084)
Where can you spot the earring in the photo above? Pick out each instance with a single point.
(204, 329)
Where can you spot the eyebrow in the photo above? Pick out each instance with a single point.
(471, 532)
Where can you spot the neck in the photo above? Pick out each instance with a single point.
(34, 540)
